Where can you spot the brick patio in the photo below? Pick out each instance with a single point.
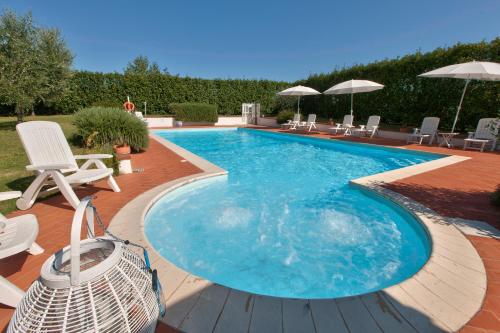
(460, 190)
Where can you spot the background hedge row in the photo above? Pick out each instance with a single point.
(406, 99)
(159, 90)
(194, 112)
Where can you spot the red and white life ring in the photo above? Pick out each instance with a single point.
(129, 106)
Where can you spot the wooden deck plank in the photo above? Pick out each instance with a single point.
(297, 316)
(356, 316)
(412, 311)
(267, 315)
(235, 317)
(386, 316)
(203, 316)
(326, 316)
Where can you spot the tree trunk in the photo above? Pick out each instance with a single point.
(20, 113)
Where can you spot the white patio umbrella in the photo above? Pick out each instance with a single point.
(474, 70)
(352, 87)
(299, 91)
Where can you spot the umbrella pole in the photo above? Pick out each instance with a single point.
(459, 106)
(352, 98)
(298, 105)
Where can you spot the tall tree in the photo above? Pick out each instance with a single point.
(141, 66)
(34, 63)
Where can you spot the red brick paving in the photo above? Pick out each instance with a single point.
(488, 319)
(55, 215)
(460, 190)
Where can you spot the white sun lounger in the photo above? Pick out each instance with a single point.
(309, 124)
(17, 235)
(292, 123)
(486, 133)
(371, 127)
(428, 131)
(139, 115)
(55, 165)
(345, 127)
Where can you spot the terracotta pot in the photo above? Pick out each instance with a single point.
(122, 149)
(405, 129)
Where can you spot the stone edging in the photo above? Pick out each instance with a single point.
(443, 296)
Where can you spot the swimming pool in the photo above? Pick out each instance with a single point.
(285, 221)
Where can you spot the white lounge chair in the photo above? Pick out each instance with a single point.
(345, 127)
(428, 130)
(55, 165)
(292, 123)
(139, 115)
(17, 235)
(309, 124)
(486, 133)
(371, 127)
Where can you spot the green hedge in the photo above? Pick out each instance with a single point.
(99, 126)
(88, 89)
(495, 197)
(284, 116)
(194, 112)
(406, 98)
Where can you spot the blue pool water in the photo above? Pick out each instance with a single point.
(285, 221)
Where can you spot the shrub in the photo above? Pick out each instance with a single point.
(98, 126)
(495, 197)
(194, 112)
(407, 98)
(284, 116)
(88, 89)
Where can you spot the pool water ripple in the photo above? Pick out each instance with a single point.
(285, 221)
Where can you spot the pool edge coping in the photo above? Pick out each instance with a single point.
(451, 253)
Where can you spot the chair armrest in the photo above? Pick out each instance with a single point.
(49, 167)
(362, 127)
(416, 130)
(9, 195)
(93, 156)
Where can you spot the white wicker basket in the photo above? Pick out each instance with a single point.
(94, 285)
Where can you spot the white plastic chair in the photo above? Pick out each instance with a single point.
(292, 123)
(428, 130)
(486, 133)
(309, 124)
(139, 115)
(17, 235)
(55, 165)
(345, 127)
(370, 128)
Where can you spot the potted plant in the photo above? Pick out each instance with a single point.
(100, 127)
(121, 147)
(405, 128)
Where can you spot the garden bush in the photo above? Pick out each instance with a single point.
(407, 98)
(495, 197)
(194, 112)
(99, 126)
(88, 89)
(284, 116)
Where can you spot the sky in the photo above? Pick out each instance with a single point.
(258, 39)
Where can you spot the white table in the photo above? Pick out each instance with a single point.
(447, 138)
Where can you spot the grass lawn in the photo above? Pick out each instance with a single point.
(13, 159)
